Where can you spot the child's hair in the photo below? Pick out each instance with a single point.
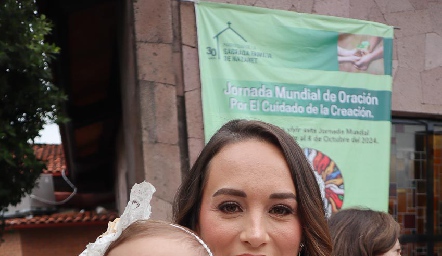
(156, 228)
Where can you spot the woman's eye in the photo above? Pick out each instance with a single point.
(281, 210)
(229, 207)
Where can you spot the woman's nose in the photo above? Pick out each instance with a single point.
(255, 232)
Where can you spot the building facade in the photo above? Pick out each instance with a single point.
(162, 131)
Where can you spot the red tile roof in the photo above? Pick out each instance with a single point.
(53, 155)
(61, 219)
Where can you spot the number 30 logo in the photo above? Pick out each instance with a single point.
(211, 51)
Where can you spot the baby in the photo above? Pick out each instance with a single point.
(157, 238)
(134, 234)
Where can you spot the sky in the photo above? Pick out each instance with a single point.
(49, 135)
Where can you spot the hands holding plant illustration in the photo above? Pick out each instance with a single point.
(363, 54)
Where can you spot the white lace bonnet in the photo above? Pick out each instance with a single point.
(138, 208)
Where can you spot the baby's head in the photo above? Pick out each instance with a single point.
(159, 238)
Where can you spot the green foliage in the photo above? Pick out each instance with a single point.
(28, 97)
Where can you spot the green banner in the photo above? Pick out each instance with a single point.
(325, 80)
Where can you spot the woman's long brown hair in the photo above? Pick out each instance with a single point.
(316, 237)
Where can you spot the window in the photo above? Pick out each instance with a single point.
(415, 198)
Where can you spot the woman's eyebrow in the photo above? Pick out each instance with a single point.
(283, 196)
(230, 191)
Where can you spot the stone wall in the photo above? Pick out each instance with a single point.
(151, 75)
(163, 105)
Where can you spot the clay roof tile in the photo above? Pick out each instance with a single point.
(60, 219)
(53, 155)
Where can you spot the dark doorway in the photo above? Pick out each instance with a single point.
(87, 69)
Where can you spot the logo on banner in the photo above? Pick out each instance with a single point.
(231, 51)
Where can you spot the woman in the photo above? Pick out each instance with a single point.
(251, 192)
(364, 232)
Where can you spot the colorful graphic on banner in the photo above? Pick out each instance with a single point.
(325, 80)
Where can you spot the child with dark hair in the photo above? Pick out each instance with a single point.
(364, 232)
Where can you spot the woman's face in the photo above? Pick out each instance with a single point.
(249, 204)
(395, 251)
